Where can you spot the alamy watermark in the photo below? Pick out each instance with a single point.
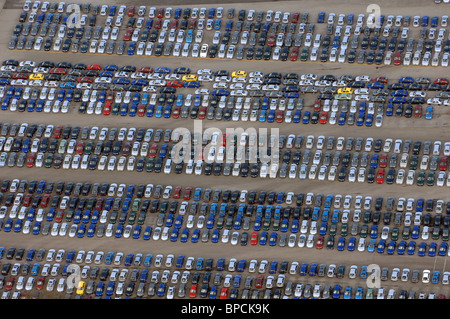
(232, 145)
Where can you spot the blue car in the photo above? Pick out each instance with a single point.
(351, 244)
(443, 248)
(348, 292)
(100, 289)
(150, 110)
(429, 112)
(36, 228)
(306, 117)
(132, 48)
(263, 238)
(215, 236)
(381, 246)
(401, 248)
(110, 288)
(213, 292)
(91, 230)
(411, 248)
(363, 273)
(81, 231)
(137, 231)
(273, 267)
(336, 292)
(220, 264)
(119, 231)
(391, 247)
(148, 260)
(432, 249)
(422, 249)
(435, 277)
(174, 235)
(195, 235)
(262, 116)
(371, 246)
(341, 244)
(159, 111)
(321, 17)
(273, 239)
(295, 226)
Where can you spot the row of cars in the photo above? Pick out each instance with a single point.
(199, 276)
(96, 216)
(336, 103)
(273, 42)
(131, 152)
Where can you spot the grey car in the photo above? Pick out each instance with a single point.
(12, 159)
(121, 47)
(13, 42)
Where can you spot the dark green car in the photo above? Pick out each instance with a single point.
(304, 55)
(430, 178)
(49, 160)
(421, 178)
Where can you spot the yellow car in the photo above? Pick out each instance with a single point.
(189, 78)
(345, 90)
(36, 76)
(236, 74)
(80, 288)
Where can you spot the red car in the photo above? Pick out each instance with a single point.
(58, 131)
(153, 150)
(45, 200)
(157, 24)
(317, 105)
(95, 67)
(80, 148)
(145, 69)
(193, 291)
(40, 283)
(279, 118)
(383, 160)
(27, 200)
(380, 79)
(323, 117)
(10, 283)
(187, 193)
(319, 242)
(85, 79)
(175, 84)
(398, 58)
(61, 71)
(59, 216)
(202, 113)
(254, 238)
(380, 176)
(131, 11)
(30, 160)
(294, 54)
(192, 24)
(177, 192)
(441, 81)
(418, 111)
(160, 13)
(224, 139)
(259, 281)
(176, 112)
(174, 24)
(22, 76)
(271, 39)
(443, 164)
(142, 110)
(295, 17)
(99, 204)
(128, 34)
(107, 108)
(224, 293)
